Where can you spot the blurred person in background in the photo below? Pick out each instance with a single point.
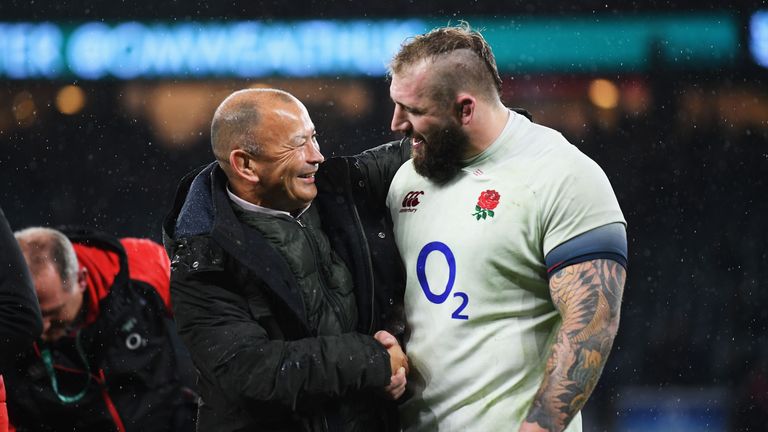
(514, 247)
(20, 320)
(280, 311)
(109, 357)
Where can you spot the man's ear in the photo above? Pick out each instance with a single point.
(243, 166)
(466, 105)
(82, 279)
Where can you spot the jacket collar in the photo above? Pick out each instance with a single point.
(205, 209)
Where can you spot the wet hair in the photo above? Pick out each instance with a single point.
(45, 245)
(459, 58)
(236, 121)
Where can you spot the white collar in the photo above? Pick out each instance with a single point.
(251, 207)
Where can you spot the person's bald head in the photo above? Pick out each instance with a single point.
(237, 121)
(265, 142)
(59, 280)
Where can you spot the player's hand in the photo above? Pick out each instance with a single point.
(397, 358)
(396, 386)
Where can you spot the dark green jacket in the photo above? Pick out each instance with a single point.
(264, 359)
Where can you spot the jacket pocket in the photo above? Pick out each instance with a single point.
(260, 310)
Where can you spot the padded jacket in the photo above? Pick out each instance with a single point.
(264, 359)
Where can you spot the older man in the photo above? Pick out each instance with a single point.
(268, 310)
(109, 358)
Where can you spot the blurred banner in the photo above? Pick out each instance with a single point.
(758, 37)
(254, 49)
(131, 50)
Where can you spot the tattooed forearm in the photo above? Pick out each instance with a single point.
(588, 296)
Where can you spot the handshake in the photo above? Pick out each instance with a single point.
(398, 361)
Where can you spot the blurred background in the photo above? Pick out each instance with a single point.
(104, 105)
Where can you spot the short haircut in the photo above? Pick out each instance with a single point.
(462, 57)
(236, 121)
(45, 245)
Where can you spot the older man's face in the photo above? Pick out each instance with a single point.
(289, 158)
(60, 301)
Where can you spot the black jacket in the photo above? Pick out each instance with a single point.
(20, 321)
(352, 193)
(131, 352)
(241, 312)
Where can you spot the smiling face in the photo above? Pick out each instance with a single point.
(289, 158)
(439, 142)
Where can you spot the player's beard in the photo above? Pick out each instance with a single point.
(440, 154)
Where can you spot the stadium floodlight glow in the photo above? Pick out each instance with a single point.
(758, 37)
(603, 93)
(70, 99)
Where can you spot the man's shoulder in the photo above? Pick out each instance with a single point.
(197, 253)
(392, 149)
(392, 153)
(551, 155)
(405, 174)
(193, 212)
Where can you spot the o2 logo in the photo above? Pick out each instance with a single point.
(421, 273)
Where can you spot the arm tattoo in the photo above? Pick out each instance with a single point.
(588, 296)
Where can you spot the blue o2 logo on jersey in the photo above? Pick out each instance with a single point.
(421, 274)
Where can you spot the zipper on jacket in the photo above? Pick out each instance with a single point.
(323, 284)
(366, 252)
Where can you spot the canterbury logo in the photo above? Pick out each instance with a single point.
(410, 201)
(412, 198)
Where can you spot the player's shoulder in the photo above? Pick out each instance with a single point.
(404, 177)
(553, 151)
(553, 162)
(557, 149)
(405, 173)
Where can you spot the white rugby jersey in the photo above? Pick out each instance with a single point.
(477, 303)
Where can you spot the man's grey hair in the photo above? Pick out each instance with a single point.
(45, 245)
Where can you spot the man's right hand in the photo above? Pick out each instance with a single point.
(396, 386)
(398, 362)
(397, 358)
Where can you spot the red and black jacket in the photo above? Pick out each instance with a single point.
(133, 373)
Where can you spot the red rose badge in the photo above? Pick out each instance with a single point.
(487, 201)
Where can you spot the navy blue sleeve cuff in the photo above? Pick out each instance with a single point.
(605, 242)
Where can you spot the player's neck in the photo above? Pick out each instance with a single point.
(490, 122)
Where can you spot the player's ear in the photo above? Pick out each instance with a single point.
(465, 107)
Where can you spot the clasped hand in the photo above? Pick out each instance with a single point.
(398, 362)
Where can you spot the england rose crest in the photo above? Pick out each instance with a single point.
(487, 201)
